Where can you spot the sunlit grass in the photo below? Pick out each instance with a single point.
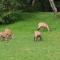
(23, 47)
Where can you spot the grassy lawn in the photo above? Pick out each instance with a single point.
(23, 47)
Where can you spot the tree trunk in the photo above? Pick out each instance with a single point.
(53, 6)
(33, 3)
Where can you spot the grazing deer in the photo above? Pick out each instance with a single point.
(37, 35)
(5, 35)
(43, 25)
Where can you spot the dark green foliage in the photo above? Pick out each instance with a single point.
(7, 6)
(7, 20)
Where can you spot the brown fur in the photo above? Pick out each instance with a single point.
(3, 36)
(43, 25)
(37, 35)
(7, 34)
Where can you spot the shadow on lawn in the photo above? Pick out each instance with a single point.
(16, 17)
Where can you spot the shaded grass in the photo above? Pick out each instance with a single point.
(23, 47)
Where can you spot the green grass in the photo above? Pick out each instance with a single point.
(23, 47)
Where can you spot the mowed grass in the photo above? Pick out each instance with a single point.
(23, 47)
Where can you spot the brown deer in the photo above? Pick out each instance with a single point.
(43, 25)
(37, 35)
